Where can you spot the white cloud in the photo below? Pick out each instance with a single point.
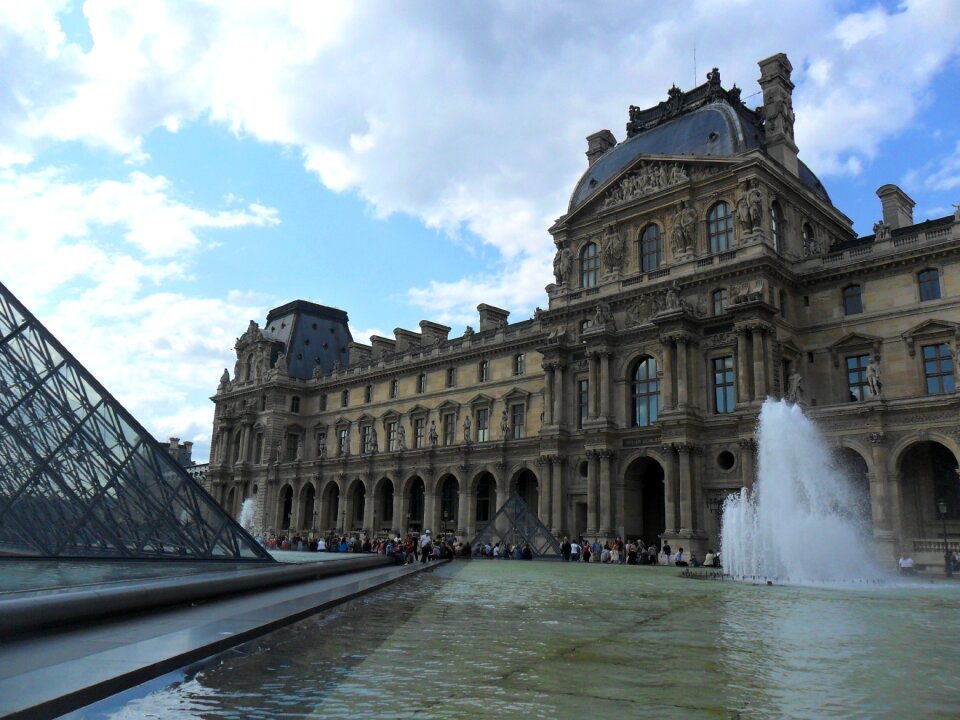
(942, 174)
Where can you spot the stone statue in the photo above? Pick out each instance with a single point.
(672, 297)
(613, 250)
(743, 213)
(562, 265)
(317, 371)
(603, 315)
(281, 364)
(433, 433)
(639, 312)
(684, 225)
(873, 376)
(794, 387)
(374, 442)
(321, 446)
(881, 230)
(466, 429)
(468, 331)
(300, 449)
(504, 424)
(401, 437)
(224, 380)
(956, 212)
(755, 203)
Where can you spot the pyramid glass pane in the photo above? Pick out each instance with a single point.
(515, 524)
(79, 477)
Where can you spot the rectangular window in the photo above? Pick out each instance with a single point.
(343, 441)
(929, 281)
(519, 364)
(394, 389)
(345, 398)
(938, 369)
(723, 384)
(293, 440)
(451, 377)
(365, 440)
(517, 417)
(258, 449)
(368, 393)
(392, 436)
(852, 300)
(483, 371)
(857, 385)
(583, 401)
(418, 430)
(449, 429)
(421, 383)
(483, 425)
(295, 404)
(323, 402)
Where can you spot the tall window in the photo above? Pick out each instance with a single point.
(517, 418)
(293, 440)
(483, 425)
(806, 233)
(418, 427)
(857, 382)
(519, 364)
(295, 404)
(451, 377)
(938, 369)
(368, 393)
(366, 439)
(723, 384)
(483, 371)
(929, 281)
(422, 383)
(258, 449)
(852, 300)
(645, 393)
(776, 225)
(394, 389)
(392, 435)
(343, 441)
(720, 228)
(449, 428)
(589, 266)
(323, 403)
(583, 401)
(718, 300)
(345, 398)
(651, 248)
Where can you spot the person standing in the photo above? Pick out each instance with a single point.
(565, 549)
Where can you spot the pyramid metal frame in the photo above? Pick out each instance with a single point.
(80, 477)
(517, 524)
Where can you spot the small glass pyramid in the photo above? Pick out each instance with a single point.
(516, 524)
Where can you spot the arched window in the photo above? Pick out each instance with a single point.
(644, 393)
(806, 233)
(718, 301)
(852, 300)
(720, 228)
(589, 266)
(929, 282)
(776, 226)
(651, 248)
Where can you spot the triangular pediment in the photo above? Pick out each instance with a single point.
(418, 410)
(449, 406)
(481, 399)
(516, 394)
(929, 330)
(858, 342)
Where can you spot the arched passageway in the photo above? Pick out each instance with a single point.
(358, 498)
(231, 505)
(528, 488)
(307, 519)
(449, 504)
(928, 473)
(486, 506)
(851, 465)
(285, 508)
(331, 507)
(383, 508)
(644, 514)
(415, 505)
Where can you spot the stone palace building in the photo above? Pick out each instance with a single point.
(700, 268)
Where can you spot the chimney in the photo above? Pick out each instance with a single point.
(359, 353)
(187, 453)
(381, 346)
(598, 144)
(173, 447)
(778, 110)
(406, 340)
(897, 206)
(433, 334)
(491, 317)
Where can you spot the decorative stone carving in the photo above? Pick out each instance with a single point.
(468, 331)
(281, 364)
(811, 245)
(401, 437)
(646, 179)
(613, 250)
(749, 291)
(881, 231)
(224, 381)
(877, 438)
(956, 212)
(640, 311)
(603, 317)
(683, 232)
(671, 297)
(873, 376)
(750, 210)
(433, 433)
(466, 429)
(251, 335)
(794, 392)
(504, 424)
(562, 265)
(374, 442)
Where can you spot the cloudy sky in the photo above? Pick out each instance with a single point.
(170, 170)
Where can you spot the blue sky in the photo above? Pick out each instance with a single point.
(170, 170)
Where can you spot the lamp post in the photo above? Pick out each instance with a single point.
(942, 507)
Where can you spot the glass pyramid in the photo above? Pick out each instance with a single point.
(515, 524)
(79, 477)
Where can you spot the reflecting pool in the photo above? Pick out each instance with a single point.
(498, 639)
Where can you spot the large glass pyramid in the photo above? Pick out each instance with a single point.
(516, 524)
(79, 477)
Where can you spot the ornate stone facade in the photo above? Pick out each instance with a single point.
(692, 281)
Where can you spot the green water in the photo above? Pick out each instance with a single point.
(500, 639)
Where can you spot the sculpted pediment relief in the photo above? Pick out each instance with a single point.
(651, 176)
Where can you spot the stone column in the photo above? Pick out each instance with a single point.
(548, 393)
(743, 363)
(464, 510)
(246, 429)
(593, 523)
(606, 493)
(369, 510)
(401, 506)
(879, 484)
(747, 448)
(682, 368)
(544, 512)
(556, 523)
(430, 510)
(503, 487)
(666, 387)
(593, 373)
(686, 487)
(670, 489)
(759, 365)
(558, 395)
(605, 385)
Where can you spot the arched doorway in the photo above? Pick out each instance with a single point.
(449, 504)
(307, 502)
(331, 507)
(928, 472)
(486, 499)
(851, 465)
(383, 517)
(529, 490)
(358, 498)
(285, 508)
(416, 504)
(644, 514)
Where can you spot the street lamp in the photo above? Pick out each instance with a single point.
(942, 507)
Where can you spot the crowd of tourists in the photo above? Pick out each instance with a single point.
(503, 551)
(619, 552)
(414, 547)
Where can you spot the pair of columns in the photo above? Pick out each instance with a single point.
(598, 405)
(550, 511)
(676, 365)
(678, 487)
(753, 361)
(599, 493)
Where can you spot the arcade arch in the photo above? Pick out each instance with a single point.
(644, 514)
(928, 473)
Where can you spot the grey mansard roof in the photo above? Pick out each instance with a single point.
(706, 121)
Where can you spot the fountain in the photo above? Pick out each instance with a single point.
(803, 522)
(248, 516)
